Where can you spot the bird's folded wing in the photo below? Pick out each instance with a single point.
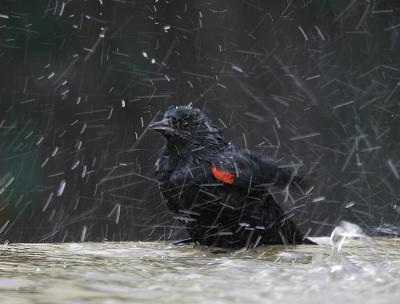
(244, 169)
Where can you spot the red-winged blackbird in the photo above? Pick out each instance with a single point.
(224, 196)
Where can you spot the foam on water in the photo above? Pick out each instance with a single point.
(358, 269)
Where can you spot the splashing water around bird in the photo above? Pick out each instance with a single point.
(157, 272)
(345, 231)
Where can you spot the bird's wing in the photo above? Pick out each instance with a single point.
(242, 168)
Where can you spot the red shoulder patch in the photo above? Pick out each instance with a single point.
(223, 176)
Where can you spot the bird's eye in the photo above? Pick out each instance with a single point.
(185, 124)
(182, 124)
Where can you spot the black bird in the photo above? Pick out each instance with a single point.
(224, 196)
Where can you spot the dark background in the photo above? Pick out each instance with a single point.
(315, 83)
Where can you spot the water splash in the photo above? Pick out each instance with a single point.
(343, 232)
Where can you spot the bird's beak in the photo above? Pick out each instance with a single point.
(163, 126)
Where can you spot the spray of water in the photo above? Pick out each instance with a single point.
(345, 231)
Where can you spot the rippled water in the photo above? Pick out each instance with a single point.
(135, 272)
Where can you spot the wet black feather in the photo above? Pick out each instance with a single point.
(245, 213)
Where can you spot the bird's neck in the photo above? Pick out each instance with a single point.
(176, 153)
(197, 152)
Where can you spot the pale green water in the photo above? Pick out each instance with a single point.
(135, 272)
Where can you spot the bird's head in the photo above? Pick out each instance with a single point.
(184, 126)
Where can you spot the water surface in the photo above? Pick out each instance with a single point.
(158, 272)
